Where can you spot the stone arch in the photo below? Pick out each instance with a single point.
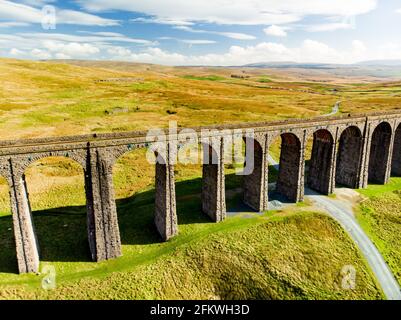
(164, 217)
(396, 161)
(321, 164)
(79, 156)
(379, 153)
(34, 159)
(65, 228)
(288, 181)
(349, 157)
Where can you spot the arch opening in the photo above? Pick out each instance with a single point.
(288, 180)
(319, 167)
(7, 252)
(396, 161)
(134, 188)
(349, 157)
(57, 199)
(379, 153)
(190, 183)
(255, 181)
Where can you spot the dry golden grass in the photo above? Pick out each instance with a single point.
(51, 99)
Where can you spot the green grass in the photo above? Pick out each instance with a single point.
(264, 80)
(375, 190)
(290, 257)
(207, 78)
(290, 254)
(380, 217)
(54, 99)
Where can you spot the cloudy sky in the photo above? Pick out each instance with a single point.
(202, 32)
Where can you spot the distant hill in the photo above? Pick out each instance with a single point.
(290, 64)
(311, 65)
(380, 63)
(386, 69)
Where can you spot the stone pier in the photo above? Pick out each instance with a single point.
(103, 230)
(396, 162)
(165, 205)
(24, 231)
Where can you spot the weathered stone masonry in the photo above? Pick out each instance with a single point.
(349, 150)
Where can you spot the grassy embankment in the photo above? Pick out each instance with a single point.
(380, 217)
(289, 254)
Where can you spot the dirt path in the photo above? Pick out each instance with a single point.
(334, 110)
(341, 211)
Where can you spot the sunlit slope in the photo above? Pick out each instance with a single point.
(48, 98)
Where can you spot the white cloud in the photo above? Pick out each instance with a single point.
(41, 54)
(82, 18)
(236, 35)
(119, 51)
(47, 45)
(197, 41)
(240, 12)
(18, 12)
(72, 49)
(189, 41)
(308, 51)
(329, 27)
(399, 10)
(104, 34)
(10, 24)
(96, 37)
(359, 48)
(275, 31)
(37, 3)
(232, 35)
(62, 56)
(162, 21)
(16, 52)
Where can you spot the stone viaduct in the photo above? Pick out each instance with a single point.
(348, 150)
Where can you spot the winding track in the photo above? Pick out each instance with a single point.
(334, 110)
(343, 213)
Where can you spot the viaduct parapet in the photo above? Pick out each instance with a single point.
(350, 150)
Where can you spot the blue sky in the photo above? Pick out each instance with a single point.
(193, 32)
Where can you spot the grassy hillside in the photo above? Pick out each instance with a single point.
(281, 255)
(49, 99)
(380, 216)
(293, 254)
(290, 254)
